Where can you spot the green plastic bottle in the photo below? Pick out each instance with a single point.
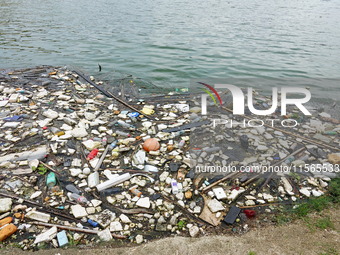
(51, 181)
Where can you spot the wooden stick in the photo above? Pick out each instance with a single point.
(109, 94)
(250, 180)
(272, 173)
(127, 105)
(50, 168)
(219, 181)
(253, 206)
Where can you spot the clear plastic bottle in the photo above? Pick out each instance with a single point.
(78, 198)
(181, 144)
(113, 145)
(121, 133)
(125, 125)
(104, 140)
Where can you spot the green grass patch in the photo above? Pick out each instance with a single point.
(320, 203)
(312, 205)
(181, 224)
(316, 204)
(330, 251)
(283, 218)
(334, 190)
(319, 223)
(324, 223)
(251, 253)
(41, 169)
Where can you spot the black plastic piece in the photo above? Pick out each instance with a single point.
(155, 196)
(111, 191)
(174, 166)
(244, 141)
(232, 215)
(191, 174)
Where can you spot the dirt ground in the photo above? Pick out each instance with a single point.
(300, 237)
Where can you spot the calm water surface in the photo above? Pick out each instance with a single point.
(170, 42)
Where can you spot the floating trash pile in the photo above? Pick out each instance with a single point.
(81, 164)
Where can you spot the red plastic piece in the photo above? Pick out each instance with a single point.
(250, 213)
(92, 154)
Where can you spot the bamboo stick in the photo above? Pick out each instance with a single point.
(219, 181)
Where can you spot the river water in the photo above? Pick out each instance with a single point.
(171, 42)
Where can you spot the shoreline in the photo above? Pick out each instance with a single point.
(61, 115)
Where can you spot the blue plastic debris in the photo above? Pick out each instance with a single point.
(14, 118)
(133, 114)
(62, 238)
(93, 223)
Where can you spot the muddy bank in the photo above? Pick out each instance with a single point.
(294, 239)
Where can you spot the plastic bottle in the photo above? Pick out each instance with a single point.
(80, 199)
(178, 133)
(125, 125)
(121, 133)
(182, 90)
(51, 181)
(181, 144)
(289, 159)
(174, 186)
(113, 145)
(112, 123)
(92, 154)
(212, 149)
(104, 140)
(133, 116)
(72, 188)
(330, 133)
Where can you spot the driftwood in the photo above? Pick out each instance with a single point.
(278, 163)
(219, 181)
(109, 94)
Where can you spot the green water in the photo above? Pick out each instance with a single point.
(171, 42)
